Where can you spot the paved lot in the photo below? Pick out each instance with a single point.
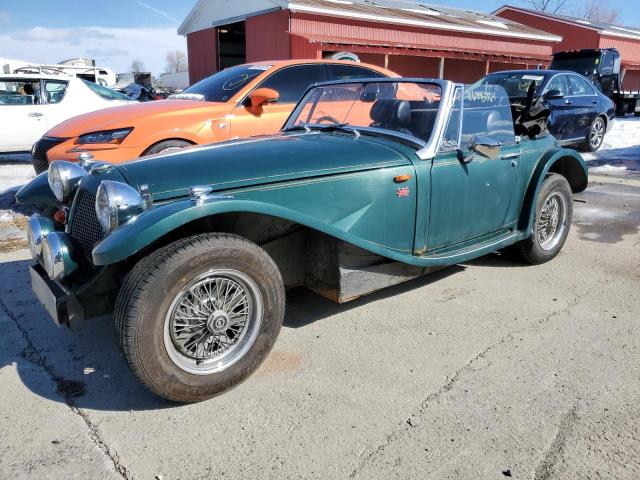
(485, 370)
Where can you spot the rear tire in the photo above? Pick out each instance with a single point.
(166, 146)
(554, 212)
(596, 134)
(197, 317)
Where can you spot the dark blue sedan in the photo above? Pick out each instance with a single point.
(580, 113)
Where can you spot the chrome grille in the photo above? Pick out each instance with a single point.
(39, 152)
(85, 229)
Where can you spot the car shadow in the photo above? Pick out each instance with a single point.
(85, 364)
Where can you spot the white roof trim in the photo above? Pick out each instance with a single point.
(422, 23)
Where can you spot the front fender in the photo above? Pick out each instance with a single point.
(565, 162)
(37, 192)
(151, 225)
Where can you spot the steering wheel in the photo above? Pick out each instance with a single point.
(328, 118)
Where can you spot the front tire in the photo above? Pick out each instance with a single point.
(200, 315)
(554, 212)
(166, 146)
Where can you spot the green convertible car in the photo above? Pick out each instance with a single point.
(369, 183)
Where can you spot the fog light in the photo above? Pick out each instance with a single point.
(37, 229)
(56, 255)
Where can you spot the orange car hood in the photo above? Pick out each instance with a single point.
(135, 114)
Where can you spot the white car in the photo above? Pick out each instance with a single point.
(32, 104)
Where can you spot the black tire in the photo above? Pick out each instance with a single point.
(595, 137)
(166, 146)
(636, 114)
(148, 296)
(531, 249)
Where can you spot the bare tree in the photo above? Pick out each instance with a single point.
(551, 6)
(596, 11)
(137, 66)
(176, 62)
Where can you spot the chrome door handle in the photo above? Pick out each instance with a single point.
(34, 114)
(509, 156)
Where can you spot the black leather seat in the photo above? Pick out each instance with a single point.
(392, 114)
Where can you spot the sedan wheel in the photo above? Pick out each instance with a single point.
(596, 135)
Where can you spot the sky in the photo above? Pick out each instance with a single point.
(115, 32)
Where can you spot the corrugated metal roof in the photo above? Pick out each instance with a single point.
(420, 14)
(602, 27)
(207, 13)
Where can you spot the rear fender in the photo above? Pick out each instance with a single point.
(565, 162)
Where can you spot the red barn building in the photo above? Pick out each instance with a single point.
(578, 34)
(410, 38)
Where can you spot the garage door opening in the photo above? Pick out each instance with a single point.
(232, 45)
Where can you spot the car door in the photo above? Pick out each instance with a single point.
(562, 109)
(471, 200)
(55, 105)
(22, 120)
(585, 104)
(290, 83)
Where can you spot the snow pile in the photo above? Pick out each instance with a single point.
(620, 152)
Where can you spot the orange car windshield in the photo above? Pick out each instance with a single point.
(225, 84)
(401, 107)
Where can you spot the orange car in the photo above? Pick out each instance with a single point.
(241, 101)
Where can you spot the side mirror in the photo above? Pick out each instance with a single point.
(553, 95)
(260, 97)
(485, 146)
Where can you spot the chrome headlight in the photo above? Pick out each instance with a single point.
(116, 203)
(56, 256)
(37, 229)
(64, 178)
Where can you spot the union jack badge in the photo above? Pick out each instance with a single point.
(402, 192)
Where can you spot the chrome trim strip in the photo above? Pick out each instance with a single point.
(446, 104)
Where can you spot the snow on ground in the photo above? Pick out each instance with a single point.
(15, 171)
(620, 152)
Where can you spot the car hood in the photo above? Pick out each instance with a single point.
(260, 160)
(130, 115)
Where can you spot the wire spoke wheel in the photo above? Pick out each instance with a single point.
(596, 134)
(213, 321)
(552, 221)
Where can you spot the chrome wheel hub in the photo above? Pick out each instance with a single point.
(213, 321)
(597, 133)
(552, 222)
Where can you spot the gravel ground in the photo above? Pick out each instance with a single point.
(489, 369)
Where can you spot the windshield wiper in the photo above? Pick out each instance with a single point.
(296, 128)
(339, 127)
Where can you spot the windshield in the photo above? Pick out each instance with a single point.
(586, 65)
(225, 84)
(402, 107)
(105, 92)
(516, 84)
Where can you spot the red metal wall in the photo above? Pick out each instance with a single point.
(464, 71)
(499, 66)
(410, 66)
(631, 80)
(573, 36)
(406, 35)
(202, 50)
(267, 37)
(629, 49)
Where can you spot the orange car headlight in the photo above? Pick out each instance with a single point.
(105, 136)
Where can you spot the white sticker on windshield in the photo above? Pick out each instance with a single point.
(260, 67)
(535, 78)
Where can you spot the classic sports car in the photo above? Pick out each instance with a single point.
(369, 183)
